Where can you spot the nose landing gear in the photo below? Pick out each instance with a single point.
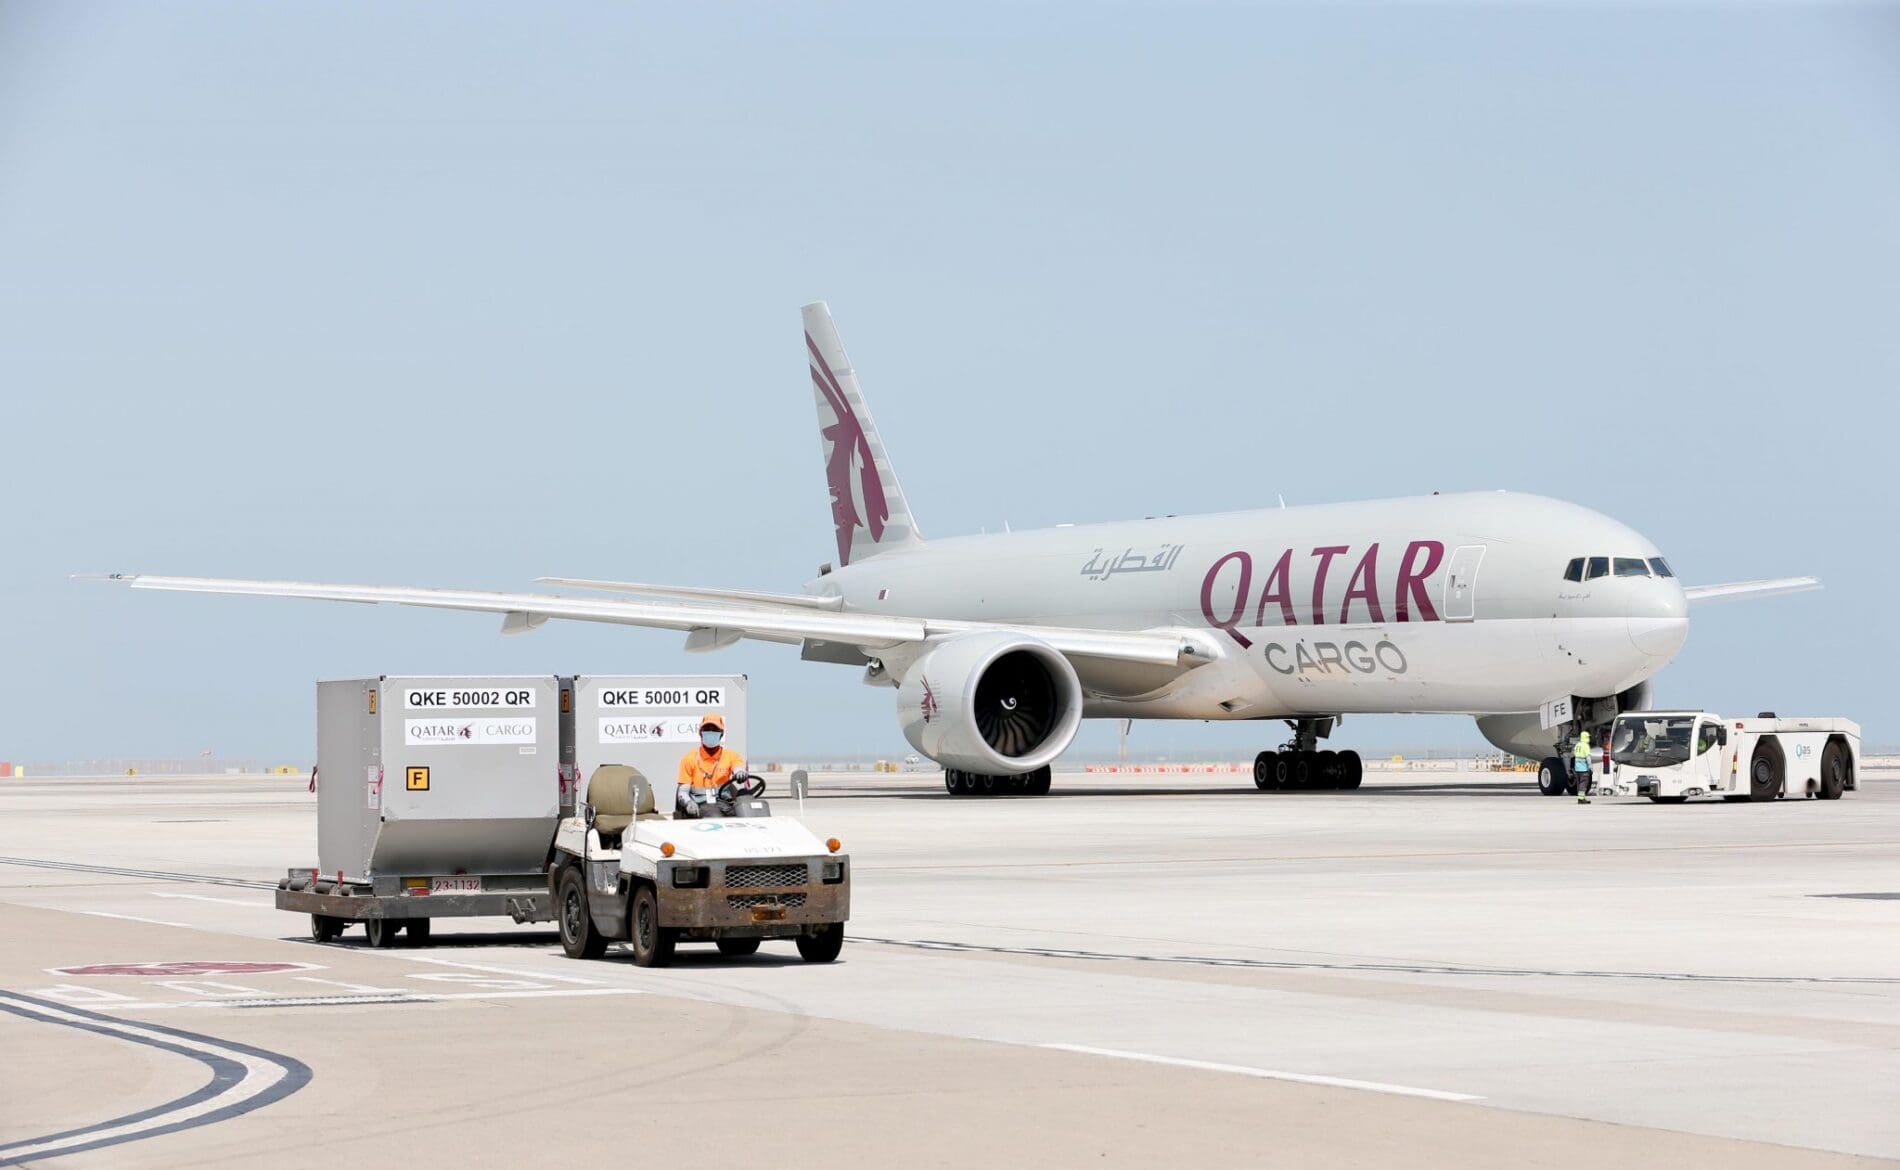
(1298, 763)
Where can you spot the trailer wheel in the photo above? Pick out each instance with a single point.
(418, 931)
(652, 943)
(738, 948)
(1667, 799)
(578, 937)
(1833, 770)
(1550, 777)
(326, 927)
(382, 932)
(822, 947)
(1765, 771)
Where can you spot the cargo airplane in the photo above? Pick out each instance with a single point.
(1538, 617)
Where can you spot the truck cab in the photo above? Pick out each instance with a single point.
(1670, 756)
(623, 870)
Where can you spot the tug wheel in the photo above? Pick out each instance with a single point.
(578, 937)
(652, 943)
(1765, 771)
(824, 946)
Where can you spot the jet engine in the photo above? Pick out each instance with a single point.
(996, 704)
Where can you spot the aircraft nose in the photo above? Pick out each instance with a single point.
(1659, 619)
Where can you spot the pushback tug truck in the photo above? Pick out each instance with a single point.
(1670, 756)
(437, 797)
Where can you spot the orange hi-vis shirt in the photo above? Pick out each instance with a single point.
(698, 769)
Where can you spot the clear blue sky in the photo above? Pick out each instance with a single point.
(466, 294)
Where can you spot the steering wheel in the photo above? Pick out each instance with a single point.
(750, 785)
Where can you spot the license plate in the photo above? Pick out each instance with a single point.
(455, 885)
(767, 913)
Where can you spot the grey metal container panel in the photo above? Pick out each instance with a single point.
(349, 745)
(493, 787)
(652, 736)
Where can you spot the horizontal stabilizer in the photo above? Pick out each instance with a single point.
(1746, 590)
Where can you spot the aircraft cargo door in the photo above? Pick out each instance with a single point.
(1461, 583)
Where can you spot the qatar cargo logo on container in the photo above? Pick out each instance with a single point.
(674, 729)
(463, 732)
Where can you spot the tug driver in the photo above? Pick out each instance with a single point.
(704, 768)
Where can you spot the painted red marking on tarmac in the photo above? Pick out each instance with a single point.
(201, 967)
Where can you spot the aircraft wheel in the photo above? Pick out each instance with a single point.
(1352, 770)
(1327, 773)
(326, 927)
(1765, 771)
(1037, 782)
(1266, 774)
(1550, 777)
(986, 785)
(382, 932)
(1833, 771)
(738, 948)
(951, 784)
(578, 937)
(652, 943)
(1301, 774)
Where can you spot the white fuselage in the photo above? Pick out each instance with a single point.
(1454, 603)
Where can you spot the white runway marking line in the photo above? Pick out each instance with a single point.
(1267, 1073)
(551, 977)
(255, 905)
(254, 1081)
(398, 996)
(136, 918)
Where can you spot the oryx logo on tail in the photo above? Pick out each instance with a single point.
(868, 512)
(847, 446)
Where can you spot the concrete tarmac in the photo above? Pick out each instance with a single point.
(1435, 970)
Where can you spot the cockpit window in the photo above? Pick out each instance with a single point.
(1660, 567)
(1574, 570)
(1599, 567)
(1631, 567)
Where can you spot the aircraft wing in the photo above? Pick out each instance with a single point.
(695, 593)
(871, 632)
(1741, 590)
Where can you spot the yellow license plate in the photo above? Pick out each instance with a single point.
(767, 913)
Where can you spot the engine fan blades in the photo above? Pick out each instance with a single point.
(1016, 705)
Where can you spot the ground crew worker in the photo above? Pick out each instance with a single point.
(704, 768)
(1580, 757)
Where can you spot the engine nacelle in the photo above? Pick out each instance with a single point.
(998, 704)
(1523, 735)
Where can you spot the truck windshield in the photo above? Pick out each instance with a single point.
(1652, 741)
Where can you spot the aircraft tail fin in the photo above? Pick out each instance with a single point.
(868, 510)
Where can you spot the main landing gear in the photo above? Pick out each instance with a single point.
(960, 783)
(1299, 765)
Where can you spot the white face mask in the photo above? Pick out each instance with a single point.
(711, 739)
